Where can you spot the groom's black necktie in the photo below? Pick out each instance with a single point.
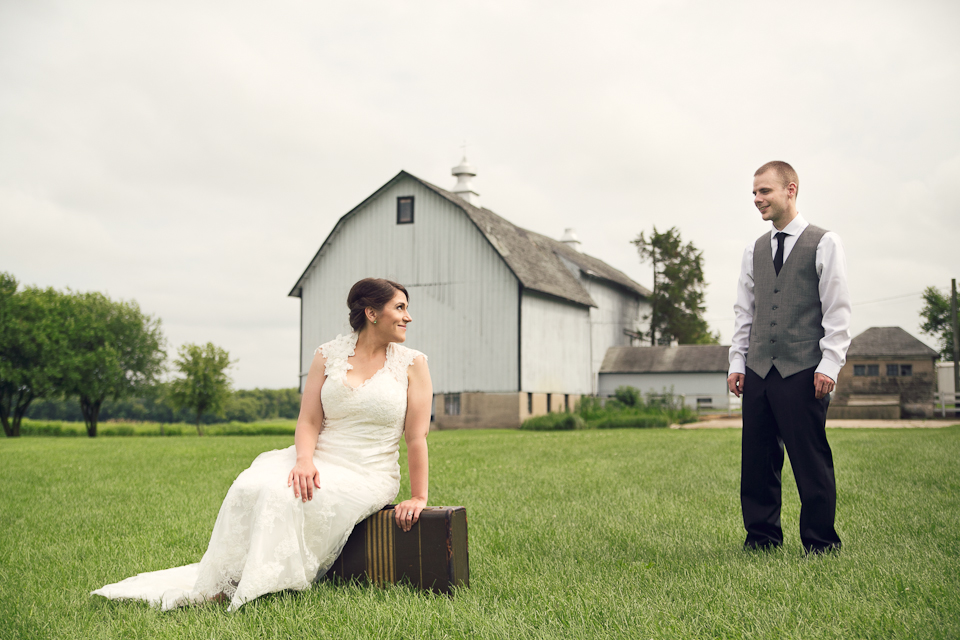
(778, 259)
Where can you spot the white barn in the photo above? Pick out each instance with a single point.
(514, 323)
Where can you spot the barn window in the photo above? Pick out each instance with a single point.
(405, 210)
(906, 369)
(893, 369)
(549, 397)
(530, 403)
(704, 403)
(451, 404)
(566, 402)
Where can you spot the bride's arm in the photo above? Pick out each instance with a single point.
(419, 401)
(304, 476)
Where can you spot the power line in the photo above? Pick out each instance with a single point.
(900, 297)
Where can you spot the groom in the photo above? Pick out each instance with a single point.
(790, 340)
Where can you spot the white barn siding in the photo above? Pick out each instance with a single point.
(616, 310)
(555, 338)
(463, 298)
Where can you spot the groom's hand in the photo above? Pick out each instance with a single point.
(822, 385)
(735, 383)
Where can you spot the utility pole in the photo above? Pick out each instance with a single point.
(956, 342)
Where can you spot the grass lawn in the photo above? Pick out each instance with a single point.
(581, 534)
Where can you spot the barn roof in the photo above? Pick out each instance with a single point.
(536, 260)
(686, 358)
(888, 342)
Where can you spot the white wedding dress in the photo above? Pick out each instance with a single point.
(267, 540)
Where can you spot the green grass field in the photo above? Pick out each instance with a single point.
(580, 534)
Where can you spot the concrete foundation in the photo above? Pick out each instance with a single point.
(478, 411)
(496, 410)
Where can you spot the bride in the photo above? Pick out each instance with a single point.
(286, 518)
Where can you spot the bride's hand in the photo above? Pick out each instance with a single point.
(408, 512)
(304, 477)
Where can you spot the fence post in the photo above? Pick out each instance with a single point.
(956, 337)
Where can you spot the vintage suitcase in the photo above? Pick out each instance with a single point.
(432, 555)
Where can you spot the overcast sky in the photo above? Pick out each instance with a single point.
(194, 155)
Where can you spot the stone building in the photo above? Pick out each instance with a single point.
(889, 374)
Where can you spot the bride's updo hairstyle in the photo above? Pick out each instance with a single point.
(374, 293)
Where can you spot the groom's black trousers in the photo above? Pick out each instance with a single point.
(785, 411)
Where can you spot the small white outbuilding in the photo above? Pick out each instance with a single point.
(514, 323)
(697, 372)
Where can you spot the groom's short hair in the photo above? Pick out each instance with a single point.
(784, 171)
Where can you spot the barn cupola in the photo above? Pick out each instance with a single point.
(464, 188)
(570, 239)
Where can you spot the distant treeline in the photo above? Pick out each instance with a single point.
(245, 405)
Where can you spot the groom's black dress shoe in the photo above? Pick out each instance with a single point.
(830, 549)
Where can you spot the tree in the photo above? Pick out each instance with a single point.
(205, 385)
(678, 288)
(116, 351)
(32, 348)
(936, 320)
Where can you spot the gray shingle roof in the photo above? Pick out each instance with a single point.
(686, 358)
(533, 258)
(888, 341)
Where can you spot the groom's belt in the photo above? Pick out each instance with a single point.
(432, 555)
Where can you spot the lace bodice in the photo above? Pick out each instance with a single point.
(399, 358)
(364, 424)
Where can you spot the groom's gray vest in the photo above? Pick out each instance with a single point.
(787, 319)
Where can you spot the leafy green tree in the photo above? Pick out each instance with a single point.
(269, 404)
(205, 386)
(32, 348)
(243, 408)
(678, 289)
(153, 404)
(116, 351)
(936, 320)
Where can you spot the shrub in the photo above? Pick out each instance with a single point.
(590, 407)
(52, 428)
(665, 400)
(684, 415)
(628, 409)
(628, 396)
(251, 429)
(613, 406)
(139, 429)
(554, 422)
